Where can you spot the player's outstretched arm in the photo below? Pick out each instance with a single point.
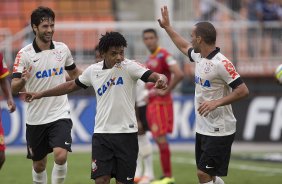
(59, 90)
(178, 40)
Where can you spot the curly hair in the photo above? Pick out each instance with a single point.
(111, 39)
(40, 14)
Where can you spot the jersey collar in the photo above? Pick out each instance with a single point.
(156, 52)
(37, 49)
(213, 53)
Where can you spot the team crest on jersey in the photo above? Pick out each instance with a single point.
(208, 67)
(153, 63)
(202, 82)
(112, 82)
(58, 55)
(49, 73)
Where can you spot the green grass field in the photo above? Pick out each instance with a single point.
(17, 170)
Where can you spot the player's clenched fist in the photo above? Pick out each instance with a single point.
(161, 82)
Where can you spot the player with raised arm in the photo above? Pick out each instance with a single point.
(160, 106)
(114, 142)
(218, 85)
(40, 66)
(5, 86)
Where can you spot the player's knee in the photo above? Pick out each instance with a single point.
(102, 180)
(39, 166)
(203, 177)
(60, 156)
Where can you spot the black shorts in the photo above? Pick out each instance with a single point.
(213, 153)
(114, 155)
(142, 113)
(41, 139)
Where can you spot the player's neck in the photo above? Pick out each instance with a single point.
(42, 45)
(108, 65)
(205, 51)
(153, 51)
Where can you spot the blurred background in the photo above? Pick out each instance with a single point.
(249, 33)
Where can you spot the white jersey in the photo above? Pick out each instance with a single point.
(141, 93)
(47, 70)
(115, 92)
(213, 77)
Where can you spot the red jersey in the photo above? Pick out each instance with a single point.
(159, 62)
(3, 68)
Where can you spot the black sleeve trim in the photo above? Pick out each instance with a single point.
(236, 83)
(189, 54)
(80, 84)
(17, 75)
(71, 67)
(146, 75)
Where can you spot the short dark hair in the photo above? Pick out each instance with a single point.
(40, 14)
(111, 39)
(207, 31)
(150, 30)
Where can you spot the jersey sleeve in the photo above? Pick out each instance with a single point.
(3, 68)
(227, 71)
(136, 70)
(19, 65)
(170, 60)
(84, 80)
(192, 55)
(69, 64)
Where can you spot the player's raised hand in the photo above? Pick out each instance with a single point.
(161, 82)
(30, 96)
(164, 21)
(206, 107)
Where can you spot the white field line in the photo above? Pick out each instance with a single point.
(181, 160)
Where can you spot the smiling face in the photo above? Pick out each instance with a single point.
(195, 41)
(114, 55)
(45, 30)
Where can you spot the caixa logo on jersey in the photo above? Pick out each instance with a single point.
(49, 73)
(112, 82)
(202, 82)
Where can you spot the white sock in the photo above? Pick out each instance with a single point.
(146, 151)
(138, 172)
(39, 178)
(218, 180)
(148, 166)
(59, 173)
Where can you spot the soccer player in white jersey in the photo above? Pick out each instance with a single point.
(114, 142)
(217, 86)
(144, 170)
(40, 66)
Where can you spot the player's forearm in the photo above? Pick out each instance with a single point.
(240, 92)
(178, 40)
(154, 77)
(61, 89)
(174, 81)
(5, 85)
(17, 84)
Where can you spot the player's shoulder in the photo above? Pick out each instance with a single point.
(220, 59)
(96, 66)
(162, 53)
(28, 51)
(60, 45)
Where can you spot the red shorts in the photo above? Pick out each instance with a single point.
(160, 118)
(2, 143)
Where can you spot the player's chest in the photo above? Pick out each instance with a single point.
(155, 64)
(205, 73)
(107, 82)
(46, 64)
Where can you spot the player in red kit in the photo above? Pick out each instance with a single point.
(5, 86)
(160, 106)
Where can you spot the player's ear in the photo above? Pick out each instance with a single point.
(34, 28)
(198, 39)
